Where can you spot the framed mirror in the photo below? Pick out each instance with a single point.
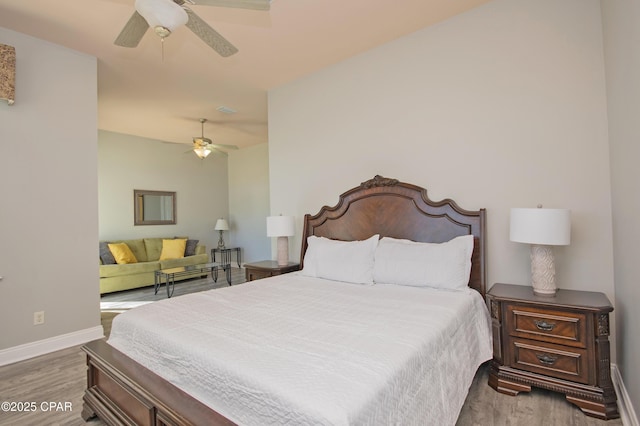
(154, 207)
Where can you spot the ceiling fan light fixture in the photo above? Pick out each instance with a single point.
(161, 31)
(162, 15)
(202, 152)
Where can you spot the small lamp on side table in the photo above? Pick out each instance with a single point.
(281, 227)
(221, 225)
(542, 228)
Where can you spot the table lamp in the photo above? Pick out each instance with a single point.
(281, 227)
(221, 225)
(543, 229)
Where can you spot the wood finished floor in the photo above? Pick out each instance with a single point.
(61, 377)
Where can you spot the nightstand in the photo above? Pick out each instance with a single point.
(267, 268)
(557, 343)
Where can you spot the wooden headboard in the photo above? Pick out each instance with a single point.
(400, 210)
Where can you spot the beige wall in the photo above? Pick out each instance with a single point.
(127, 162)
(503, 106)
(622, 52)
(249, 201)
(49, 200)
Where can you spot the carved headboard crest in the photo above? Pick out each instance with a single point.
(378, 181)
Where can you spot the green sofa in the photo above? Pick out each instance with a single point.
(115, 277)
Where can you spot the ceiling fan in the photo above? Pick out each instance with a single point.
(204, 146)
(166, 15)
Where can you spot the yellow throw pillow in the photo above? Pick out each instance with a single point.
(122, 253)
(173, 249)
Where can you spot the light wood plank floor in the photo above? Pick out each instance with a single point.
(61, 377)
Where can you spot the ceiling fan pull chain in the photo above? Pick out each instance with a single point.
(162, 47)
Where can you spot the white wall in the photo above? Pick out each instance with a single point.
(503, 106)
(127, 162)
(622, 40)
(49, 200)
(249, 201)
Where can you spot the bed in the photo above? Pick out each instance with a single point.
(351, 339)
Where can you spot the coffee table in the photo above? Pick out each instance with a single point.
(169, 275)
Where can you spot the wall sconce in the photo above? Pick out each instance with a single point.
(7, 73)
(542, 228)
(221, 225)
(281, 227)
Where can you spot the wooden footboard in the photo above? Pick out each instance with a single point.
(121, 391)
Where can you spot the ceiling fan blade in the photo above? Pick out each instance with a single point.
(209, 35)
(217, 151)
(240, 4)
(219, 145)
(133, 31)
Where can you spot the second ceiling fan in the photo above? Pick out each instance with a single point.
(166, 15)
(202, 146)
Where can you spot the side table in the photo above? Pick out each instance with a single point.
(559, 343)
(267, 268)
(225, 255)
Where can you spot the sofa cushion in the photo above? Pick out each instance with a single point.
(173, 249)
(105, 254)
(185, 261)
(122, 253)
(153, 247)
(128, 269)
(137, 247)
(190, 248)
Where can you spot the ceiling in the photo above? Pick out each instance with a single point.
(161, 92)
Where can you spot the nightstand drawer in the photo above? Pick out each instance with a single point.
(561, 327)
(551, 360)
(254, 274)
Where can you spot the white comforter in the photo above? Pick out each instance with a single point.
(294, 350)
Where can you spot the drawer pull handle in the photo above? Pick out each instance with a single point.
(544, 326)
(546, 359)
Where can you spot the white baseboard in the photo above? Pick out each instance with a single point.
(52, 344)
(627, 413)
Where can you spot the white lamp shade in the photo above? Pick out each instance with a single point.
(541, 226)
(222, 225)
(164, 13)
(280, 226)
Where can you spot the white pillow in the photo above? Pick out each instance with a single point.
(348, 261)
(445, 265)
(311, 256)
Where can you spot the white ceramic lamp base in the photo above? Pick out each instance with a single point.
(283, 251)
(543, 271)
